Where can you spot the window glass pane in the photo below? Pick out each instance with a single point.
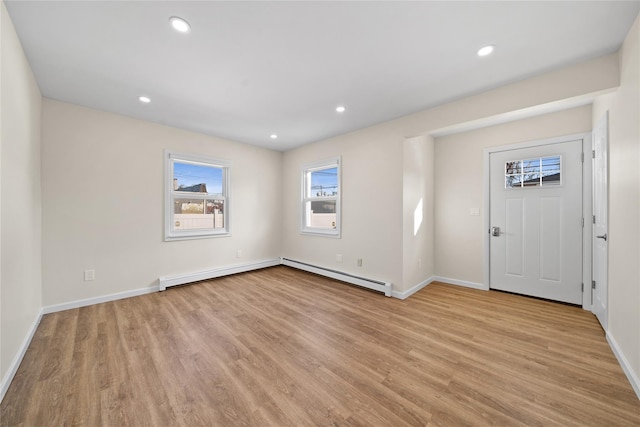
(189, 206)
(531, 180)
(216, 208)
(195, 178)
(531, 166)
(324, 182)
(194, 214)
(551, 170)
(321, 214)
(513, 181)
(530, 172)
(513, 167)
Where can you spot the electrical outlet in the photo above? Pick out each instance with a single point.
(338, 257)
(239, 253)
(89, 275)
(359, 262)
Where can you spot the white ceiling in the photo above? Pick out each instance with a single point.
(251, 69)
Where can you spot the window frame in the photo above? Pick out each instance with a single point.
(305, 185)
(171, 195)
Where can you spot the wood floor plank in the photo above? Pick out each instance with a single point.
(282, 347)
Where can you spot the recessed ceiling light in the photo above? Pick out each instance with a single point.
(341, 108)
(144, 99)
(486, 50)
(274, 136)
(180, 24)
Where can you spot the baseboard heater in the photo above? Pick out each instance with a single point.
(181, 279)
(384, 287)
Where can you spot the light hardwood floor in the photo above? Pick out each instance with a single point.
(280, 347)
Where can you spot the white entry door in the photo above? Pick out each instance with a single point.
(600, 219)
(536, 221)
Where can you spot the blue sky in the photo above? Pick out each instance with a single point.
(327, 178)
(189, 174)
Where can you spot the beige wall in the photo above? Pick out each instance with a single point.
(624, 202)
(418, 205)
(20, 205)
(371, 193)
(459, 183)
(102, 196)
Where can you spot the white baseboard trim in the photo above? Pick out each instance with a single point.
(457, 282)
(406, 294)
(376, 285)
(181, 279)
(97, 300)
(624, 363)
(17, 360)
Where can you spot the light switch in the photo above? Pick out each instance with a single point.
(474, 211)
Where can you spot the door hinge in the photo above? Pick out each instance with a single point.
(594, 219)
(581, 287)
(593, 154)
(582, 222)
(582, 157)
(593, 284)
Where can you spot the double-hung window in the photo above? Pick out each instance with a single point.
(197, 197)
(321, 198)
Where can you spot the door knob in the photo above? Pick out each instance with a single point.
(604, 237)
(495, 231)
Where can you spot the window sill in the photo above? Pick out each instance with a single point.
(321, 233)
(172, 238)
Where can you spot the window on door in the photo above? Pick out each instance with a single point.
(538, 172)
(321, 198)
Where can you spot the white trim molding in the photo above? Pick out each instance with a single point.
(17, 360)
(466, 284)
(406, 294)
(97, 300)
(181, 279)
(624, 363)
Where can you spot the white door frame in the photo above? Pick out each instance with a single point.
(602, 125)
(586, 206)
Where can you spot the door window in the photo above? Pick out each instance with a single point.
(538, 172)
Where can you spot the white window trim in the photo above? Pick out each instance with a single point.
(169, 233)
(304, 184)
